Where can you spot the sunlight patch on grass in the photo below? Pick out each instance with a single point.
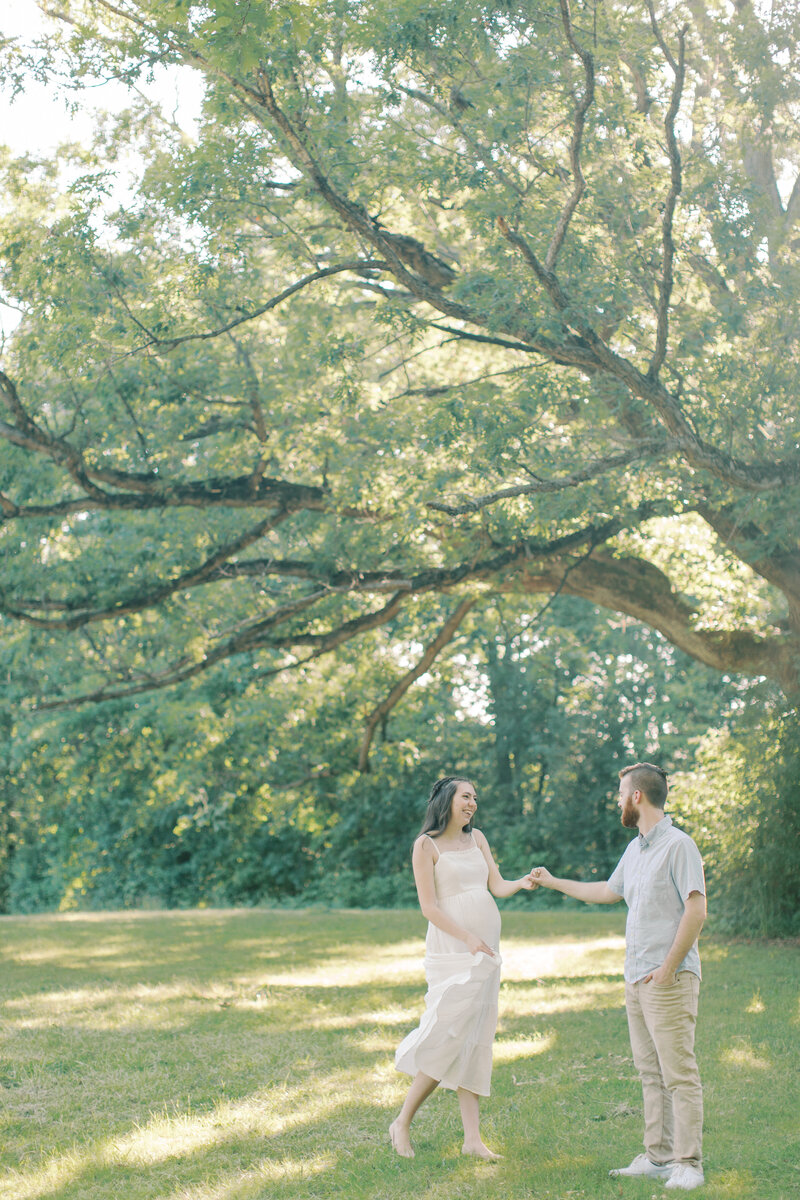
(165, 1138)
(165, 1006)
(597, 956)
(375, 1042)
(347, 972)
(111, 950)
(592, 995)
(64, 1171)
(46, 1180)
(263, 1115)
(742, 1053)
(403, 963)
(291, 1169)
(269, 1113)
(523, 1047)
(394, 1016)
(735, 1185)
(83, 1007)
(756, 1005)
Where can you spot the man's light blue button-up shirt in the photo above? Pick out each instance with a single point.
(656, 875)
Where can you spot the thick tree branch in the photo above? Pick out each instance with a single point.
(382, 710)
(638, 588)
(259, 633)
(146, 492)
(620, 584)
(792, 214)
(760, 170)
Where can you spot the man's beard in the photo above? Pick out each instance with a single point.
(630, 815)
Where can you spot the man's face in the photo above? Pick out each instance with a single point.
(629, 812)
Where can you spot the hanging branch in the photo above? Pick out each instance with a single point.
(382, 710)
(409, 260)
(592, 470)
(253, 638)
(578, 126)
(259, 633)
(670, 204)
(356, 264)
(213, 568)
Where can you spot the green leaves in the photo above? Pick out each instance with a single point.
(364, 285)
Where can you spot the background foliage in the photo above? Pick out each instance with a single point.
(233, 795)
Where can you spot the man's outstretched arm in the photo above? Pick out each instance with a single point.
(590, 893)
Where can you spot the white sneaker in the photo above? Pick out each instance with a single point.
(685, 1177)
(641, 1165)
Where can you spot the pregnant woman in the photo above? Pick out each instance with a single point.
(452, 1046)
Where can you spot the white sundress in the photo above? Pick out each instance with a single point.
(453, 1041)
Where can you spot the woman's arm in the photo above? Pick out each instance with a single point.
(499, 886)
(422, 861)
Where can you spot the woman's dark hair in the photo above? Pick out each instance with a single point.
(439, 804)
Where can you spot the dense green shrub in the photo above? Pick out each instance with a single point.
(741, 804)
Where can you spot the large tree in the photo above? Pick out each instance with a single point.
(438, 301)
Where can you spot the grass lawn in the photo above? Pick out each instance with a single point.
(240, 1055)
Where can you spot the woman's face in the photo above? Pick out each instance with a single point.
(464, 804)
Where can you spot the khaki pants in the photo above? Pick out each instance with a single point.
(662, 1022)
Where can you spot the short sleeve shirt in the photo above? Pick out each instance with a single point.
(655, 876)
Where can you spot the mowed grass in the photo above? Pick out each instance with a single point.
(240, 1055)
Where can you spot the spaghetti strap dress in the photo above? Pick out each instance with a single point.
(453, 1041)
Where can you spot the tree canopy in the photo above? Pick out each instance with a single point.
(441, 302)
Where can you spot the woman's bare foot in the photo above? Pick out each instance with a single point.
(400, 1140)
(478, 1150)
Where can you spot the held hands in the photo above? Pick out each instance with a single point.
(541, 877)
(527, 883)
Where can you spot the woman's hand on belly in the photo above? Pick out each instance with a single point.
(477, 945)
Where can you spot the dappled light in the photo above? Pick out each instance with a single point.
(280, 1086)
(574, 994)
(545, 958)
(255, 1182)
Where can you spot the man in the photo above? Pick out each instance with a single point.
(660, 876)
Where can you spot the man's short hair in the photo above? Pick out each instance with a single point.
(650, 780)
